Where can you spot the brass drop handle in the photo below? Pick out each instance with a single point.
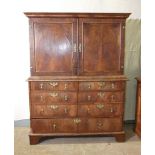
(111, 110)
(66, 110)
(77, 120)
(54, 84)
(112, 97)
(42, 110)
(54, 107)
(112, 85)
(66, 86)
(41, 85)
(89, 86)
(80, 47)
(66, 98)
(41, 98)
(54, 126)
(100, 106)
(74, 47)
(89, 97)
(53, 94)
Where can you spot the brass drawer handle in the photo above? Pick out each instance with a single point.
(112, 85)
(53, 94)
(89, 97)
(66, 110)
(113, 97)
(101, 84)
(100, 106)
(54, 107)
(54, 126)
(41, 98)
(74, 48)
(54, 84)
(111, 110)
(66, 86)
(80, 47)
(89, 86)
(66, 98)
(41, 85)
(77, 120)
(101, 94)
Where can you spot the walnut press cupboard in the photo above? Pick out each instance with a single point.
(77, 86)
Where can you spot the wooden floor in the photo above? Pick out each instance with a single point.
(78, 145)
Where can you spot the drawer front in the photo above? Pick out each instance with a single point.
(54, 85)
(46, 111)
(53, 97)
(91, 97)
(53, 126)
(100, 85)
(99, 110)
(100, 125)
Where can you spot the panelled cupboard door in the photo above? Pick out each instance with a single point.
(101, 46)
(53, 50)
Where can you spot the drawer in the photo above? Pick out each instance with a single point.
(100, 125)
(53, 97)
(101, 85)
(56, 85)
(99, 110)
(53, 126)
(44, 111)
(91, 97)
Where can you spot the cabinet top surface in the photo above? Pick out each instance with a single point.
(82, 15)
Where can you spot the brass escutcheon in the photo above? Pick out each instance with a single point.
(77, 120)
(101, 84)
(99, 124)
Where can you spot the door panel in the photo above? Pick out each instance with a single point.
(101, 51)
(54, 51)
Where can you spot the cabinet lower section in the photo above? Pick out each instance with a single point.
(76, 127)
(76, 107)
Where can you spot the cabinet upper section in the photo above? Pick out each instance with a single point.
(77, 43)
